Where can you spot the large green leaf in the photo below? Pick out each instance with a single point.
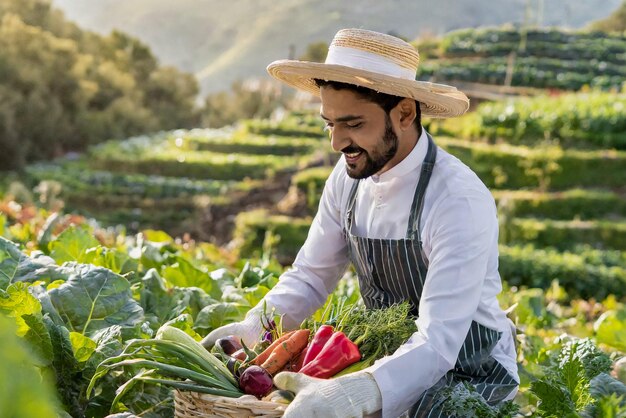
(610, 329)
(605, 385)
(45, 234)
(157, 236)
(17, 301)
(150, 254)
(16, 266)
(94, 298)
(112, 259)
(83, 346)
(185, 323)
(254, 295)
(3, 222)
(23, 393)
(67, 370)
(38, 337)
(109, 344)
(73, 244)
(161, 304)
(184, 274)
(46, 304)
(218, 314)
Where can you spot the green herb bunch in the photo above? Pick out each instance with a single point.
(378, 332)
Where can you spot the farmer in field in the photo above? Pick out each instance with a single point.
(418, 226)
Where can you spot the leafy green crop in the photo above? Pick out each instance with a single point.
(464, 401)
(23, 393)
(564, 390)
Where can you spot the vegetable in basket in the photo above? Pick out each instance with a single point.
(173, 359)
(229, 345)
(286, 351)
(337, 354)
(255, 380)
(321, 336)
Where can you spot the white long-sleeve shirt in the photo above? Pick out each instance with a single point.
(459, 231)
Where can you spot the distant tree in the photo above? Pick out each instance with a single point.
(253, 99)
(63, 89)
(219, 110)
(12, 155)
(171, 97)
(315, 52)
(616, 22)
(136, 57)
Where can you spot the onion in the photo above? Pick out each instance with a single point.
(256, 381)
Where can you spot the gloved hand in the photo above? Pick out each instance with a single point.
(249, 330)
(353, 395)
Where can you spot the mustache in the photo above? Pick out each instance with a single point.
(352, 149)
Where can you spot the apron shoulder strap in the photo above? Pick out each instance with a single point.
(413, 229)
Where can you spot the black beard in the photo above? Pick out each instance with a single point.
(374, 163)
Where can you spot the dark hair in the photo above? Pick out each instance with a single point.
(384, 100)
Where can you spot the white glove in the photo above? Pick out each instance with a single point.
(249, 330)
(352, 395)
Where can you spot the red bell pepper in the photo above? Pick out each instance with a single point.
(321, 336)
(337, 354)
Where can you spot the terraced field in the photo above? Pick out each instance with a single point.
(538, 58)
(171, 180)
(566, 199)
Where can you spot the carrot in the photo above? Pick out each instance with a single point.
(297, 363)
(260, 359)
(286, 351)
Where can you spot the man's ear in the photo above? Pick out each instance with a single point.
(407, 113)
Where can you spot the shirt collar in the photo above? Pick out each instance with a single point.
(409, 163)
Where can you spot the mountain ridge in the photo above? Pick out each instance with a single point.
(221, 42)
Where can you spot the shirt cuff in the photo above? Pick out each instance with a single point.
(389, 397)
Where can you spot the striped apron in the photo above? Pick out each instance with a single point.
(392, 271)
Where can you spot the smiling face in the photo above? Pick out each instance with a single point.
(371, 140)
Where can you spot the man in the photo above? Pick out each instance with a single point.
(416, 223)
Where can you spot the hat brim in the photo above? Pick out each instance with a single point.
(436, 100)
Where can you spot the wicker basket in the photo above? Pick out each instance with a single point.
(194, 404)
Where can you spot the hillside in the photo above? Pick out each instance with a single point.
(224, 41)
(63, 88)
(538, 58)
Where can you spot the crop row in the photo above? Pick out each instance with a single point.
(590, 120)
(222, 154)
(583, 273)
(94, 183)
(244, 143)
(567, 204)
(502, 166)
(551, 43)
(590, 68)
(200, 165)
(295, 124)
(527, 71)
(547, 167)
(560, 234)
(565, 234)
(248, 138)
(141, 283)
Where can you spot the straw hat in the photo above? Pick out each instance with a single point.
(377, 61)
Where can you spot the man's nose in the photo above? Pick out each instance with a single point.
(339, 139)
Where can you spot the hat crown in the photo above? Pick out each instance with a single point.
(373, 60)
(389, 48)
